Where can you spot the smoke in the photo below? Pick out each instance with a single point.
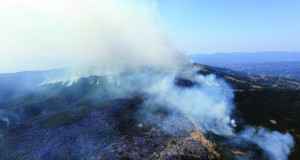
(115, 36)
(123, 41)
(275, 145)
(205, 102)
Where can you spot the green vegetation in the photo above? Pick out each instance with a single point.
(262, 107)
(82, 119)
(61, 119)
(276, 105)
(125, 158)
(128, 138)
(125, 118)
(244, 81)
(289, 69)
(173, 141)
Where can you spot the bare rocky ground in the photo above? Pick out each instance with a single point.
(148, 140)
(186, 149)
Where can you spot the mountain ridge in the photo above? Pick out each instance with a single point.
(245, 57)
(110, 128)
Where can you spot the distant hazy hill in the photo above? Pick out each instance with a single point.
(284, 69)
(245, 57)
(12, 65)
(242, 81)
(284, 64)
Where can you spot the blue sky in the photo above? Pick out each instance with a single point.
(79, 29)
(199, 26)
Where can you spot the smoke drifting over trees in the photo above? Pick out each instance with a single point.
(124, 41)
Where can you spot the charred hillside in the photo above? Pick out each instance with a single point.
(86, 120)
(82, 121)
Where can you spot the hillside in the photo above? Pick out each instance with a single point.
(247, 81)
(244, 57)
(283, 69)
(269, 101)
(283, 64)
(85, 121)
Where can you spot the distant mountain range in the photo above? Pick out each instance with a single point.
(284, 64)
(12, 65)
(245, 57)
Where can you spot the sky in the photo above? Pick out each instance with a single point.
(141, 29)
(208, 26)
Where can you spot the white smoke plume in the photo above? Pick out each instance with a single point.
(124, 41)
(115, 36)
(205, 102)
(276, 146)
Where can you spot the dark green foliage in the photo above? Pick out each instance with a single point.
(128, 138)
(61, 119)
(16, 130)
(284, 69)
(3, 124)
(125, 117)
(103, 156)
(260, 106)
(31, 111)
(125, 158)
(63, 135)
(278, 99)
(244, 81)
(80, 120)
(63, 153)
(172, 142)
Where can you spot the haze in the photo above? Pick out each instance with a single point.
(38, 29)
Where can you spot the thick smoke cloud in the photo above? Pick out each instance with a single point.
(113, 35)
(277, 146)
(123, 41)
(207, 102)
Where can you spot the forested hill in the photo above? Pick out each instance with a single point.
(245, 57)
(269, 101)
(284, 64)
(247, 81)
(83, 121)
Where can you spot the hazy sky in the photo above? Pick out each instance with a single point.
(201, 26)
(33, 27)
(121, 35)
(147, 28)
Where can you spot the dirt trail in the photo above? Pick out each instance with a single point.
(195, 135)
(170, 143)
(238, 152)
(198, 135)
